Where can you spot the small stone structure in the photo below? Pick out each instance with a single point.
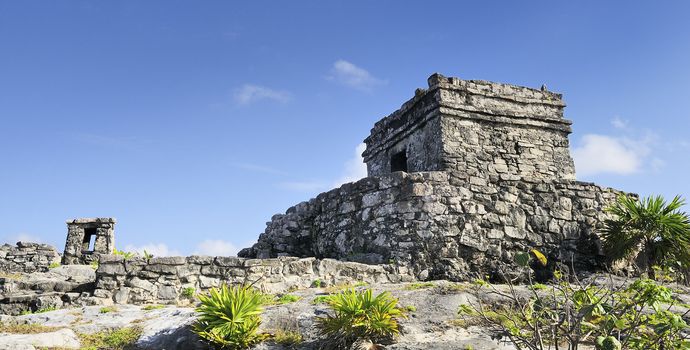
(27, 257)
(461, 177)
(87, 238)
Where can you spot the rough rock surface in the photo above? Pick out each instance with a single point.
(166, 280)
(27, 257)
(461, 177)
(439, 226)
(430, 326)
(64, 339)
(58, 287)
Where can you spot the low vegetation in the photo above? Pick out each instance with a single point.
(566, 315)
(54, 265)
(117, 339)
(25, 328)
(359, 315)
(287, 337)
(107, 309)
(153, 307)
(41, 310)
(419, 285)
(320, 299)
(229, 317)
(287, 298)
(651, 231)
(189, 292)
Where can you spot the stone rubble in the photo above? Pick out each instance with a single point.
(27, 257)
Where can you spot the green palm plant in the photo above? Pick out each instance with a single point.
(655, 232)
(359, 315)
(229, 317)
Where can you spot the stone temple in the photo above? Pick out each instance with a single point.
(460, 178)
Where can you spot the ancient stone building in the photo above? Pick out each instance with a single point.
(87, 239)
(461, 177)
(474, 128)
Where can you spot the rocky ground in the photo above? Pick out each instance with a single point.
(430, 326)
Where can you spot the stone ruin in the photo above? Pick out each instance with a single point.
(87, 239)
(463, 176)
(460, 178)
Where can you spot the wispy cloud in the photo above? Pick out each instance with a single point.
(249, 93)
(216, 247)
(157, 249)
(349, 74)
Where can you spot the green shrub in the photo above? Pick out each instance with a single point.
(189, 292)
(655, 232)
(148, 256)
(229, 317)
(126, 255)
(317, 283)
(618, 316)
(359, 315)
(94, 265)
(54, 265)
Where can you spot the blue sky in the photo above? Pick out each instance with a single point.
(193, 123)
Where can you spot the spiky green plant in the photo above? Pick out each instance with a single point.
(654, 231)
(229, 317)
(359, 315)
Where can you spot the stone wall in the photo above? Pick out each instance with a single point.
(442, 224)
(476, 127)
(164, 279)
(27, 257)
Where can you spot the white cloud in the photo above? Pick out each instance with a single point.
(157, 249)
(216, 247)
(249, 93)
(355, 168)
(599, 154)
(348, 74)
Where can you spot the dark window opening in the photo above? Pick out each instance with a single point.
(90, 239)
(399, 162)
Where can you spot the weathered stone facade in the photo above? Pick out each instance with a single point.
(477, 128)
(461, 177)
(27, 257)
(88, 238)
(164, 279)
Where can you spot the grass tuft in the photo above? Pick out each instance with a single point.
(118, 339)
